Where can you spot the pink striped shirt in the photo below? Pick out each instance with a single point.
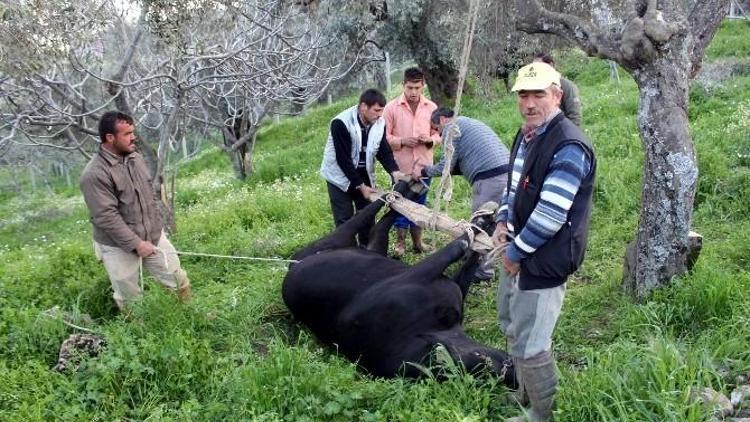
(401, 122)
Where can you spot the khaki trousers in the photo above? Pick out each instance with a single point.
(123, 268)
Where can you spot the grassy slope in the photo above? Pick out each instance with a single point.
(234, 354)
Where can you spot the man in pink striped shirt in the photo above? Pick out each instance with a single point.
(411, 137)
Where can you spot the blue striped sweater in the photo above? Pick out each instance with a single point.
(569, 166)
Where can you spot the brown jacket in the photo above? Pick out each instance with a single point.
(571, 101)
(118, 193)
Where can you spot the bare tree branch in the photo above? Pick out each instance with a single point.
(532, 17)
(704, 21)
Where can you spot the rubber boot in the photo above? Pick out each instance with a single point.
(519, 395)
(540, 380)
(400, 248)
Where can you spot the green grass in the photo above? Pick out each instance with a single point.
(732, 42)
(234, 352)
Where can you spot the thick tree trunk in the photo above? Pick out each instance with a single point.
(442, 80)
(159, 181)
(669, 179)
(240, 152)
(298, 101)
(249, 167)
(380, 80)
(662, 46)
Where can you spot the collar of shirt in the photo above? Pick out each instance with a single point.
(362, 124)
(110, 157)
(402, 101)
(539, 130)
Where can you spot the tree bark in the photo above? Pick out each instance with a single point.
(158, 182)
(440, 72)
(669, 178)
(442, 80)
(239, 144)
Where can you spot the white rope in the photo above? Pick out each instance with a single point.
(470, 234)
(466, 52)
(164, 253)
(390, 197)
(78, 327)
(70, 324)
(469, 227)
(446, 182)
(140, 271)
(496, 253)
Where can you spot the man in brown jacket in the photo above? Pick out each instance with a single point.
(127, 226)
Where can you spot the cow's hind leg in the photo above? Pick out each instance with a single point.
(432, 267)
(484, 220)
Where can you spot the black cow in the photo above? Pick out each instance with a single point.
(381, 312)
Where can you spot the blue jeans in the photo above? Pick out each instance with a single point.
(403, 222)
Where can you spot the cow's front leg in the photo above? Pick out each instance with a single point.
(483, 220)
(343, 235)
(379, 234)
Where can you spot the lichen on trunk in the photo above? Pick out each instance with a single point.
(669, 180)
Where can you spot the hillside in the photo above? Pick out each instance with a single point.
(234, 353)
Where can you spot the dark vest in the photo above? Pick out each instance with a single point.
(552, 263)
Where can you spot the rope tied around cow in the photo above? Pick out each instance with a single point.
(431, 219)
(469, 227)
(176, 252)
(496, 253)
(390, 197)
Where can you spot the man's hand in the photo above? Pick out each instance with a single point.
(511, 267)
(426, 140)
(366, 191)
(499, 236)
(145, 249)
(410, 142)
(399, 175)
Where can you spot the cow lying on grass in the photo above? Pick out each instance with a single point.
(382, 313)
